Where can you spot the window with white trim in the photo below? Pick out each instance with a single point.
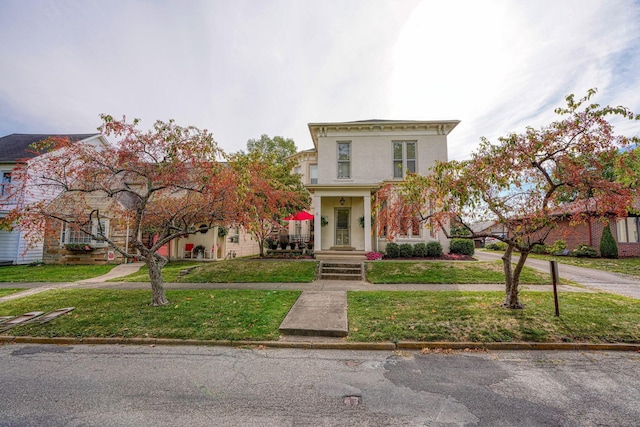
(73, 235)
(313, 174)
(627, 229)
(5, 180)
(344, 160)
(404, 158)
(411, 228)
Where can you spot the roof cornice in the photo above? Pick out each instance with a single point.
(439, 127)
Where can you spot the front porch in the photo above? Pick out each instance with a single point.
(342, 221)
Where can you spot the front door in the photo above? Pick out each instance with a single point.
(342, 227)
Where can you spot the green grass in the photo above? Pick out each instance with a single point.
(447, 272)
(9, 291)
(477, 316)
(630, 266)
(235, 271)
(196, 314)
(52, 273)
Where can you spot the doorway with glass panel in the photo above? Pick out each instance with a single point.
(342, 226)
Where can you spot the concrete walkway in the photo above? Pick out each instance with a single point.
(36, 288)
(597, 280)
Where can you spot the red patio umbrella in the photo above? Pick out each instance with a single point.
(300, 216)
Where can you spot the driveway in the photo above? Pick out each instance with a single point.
(593, 279)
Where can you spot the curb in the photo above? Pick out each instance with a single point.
(323, 345)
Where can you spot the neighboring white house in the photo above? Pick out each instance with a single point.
(350, 161)
(14, 150)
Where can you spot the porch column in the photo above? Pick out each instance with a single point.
(367, 223)
(317, 223)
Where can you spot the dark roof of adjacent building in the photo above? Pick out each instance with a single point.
(15, 147)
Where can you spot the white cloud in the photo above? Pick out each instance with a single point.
(246, 68)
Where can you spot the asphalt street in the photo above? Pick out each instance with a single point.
(47, 385)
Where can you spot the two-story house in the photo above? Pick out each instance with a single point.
(349, 162)
(14, 150)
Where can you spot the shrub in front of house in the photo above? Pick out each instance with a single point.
(557, 248)
(420, 250)
(434, 249)
(540, 249)
(608, 245)
(496, 246)
(584, 251)
(462, 247)
(392, 250)
(406, 250)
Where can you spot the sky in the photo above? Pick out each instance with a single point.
(245, 68)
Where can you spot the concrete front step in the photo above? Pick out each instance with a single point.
(318, 313)
(340, 256)
(340, 271)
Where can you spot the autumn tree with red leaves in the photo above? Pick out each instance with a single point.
(525, 183)
(166, 180)
(273, 192)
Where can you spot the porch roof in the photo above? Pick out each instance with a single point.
(342, 187)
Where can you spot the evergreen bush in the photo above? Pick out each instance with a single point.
(608, 245)
(462, 246)
(539, 249)
(392, 250)
(496, 246)
(434, 249)
(420, 250)
(557, 248)
(406, 250)
(584, 251)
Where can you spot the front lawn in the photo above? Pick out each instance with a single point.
(196, 314)
(477, 316)
(52, 273)
(447, 272)
(234, 271)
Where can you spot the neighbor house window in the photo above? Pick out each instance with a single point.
(313, 174)
(4, 182)
(627, 229)
(344, 160)
(404, 158)
(71, 235)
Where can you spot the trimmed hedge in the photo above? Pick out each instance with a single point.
(434, 249)
(420, 250)
(462, 246)
(406, 250)
(392, 250)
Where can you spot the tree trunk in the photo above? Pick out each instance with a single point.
(157, 284)
(261, 245)
(512, 278)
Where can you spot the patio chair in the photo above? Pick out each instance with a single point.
(188, 249)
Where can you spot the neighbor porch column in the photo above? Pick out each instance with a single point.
(367, 223)
(317, 223)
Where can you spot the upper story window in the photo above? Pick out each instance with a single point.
(313, 174)
(4, 182)
(344, 159)
(404, 158)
